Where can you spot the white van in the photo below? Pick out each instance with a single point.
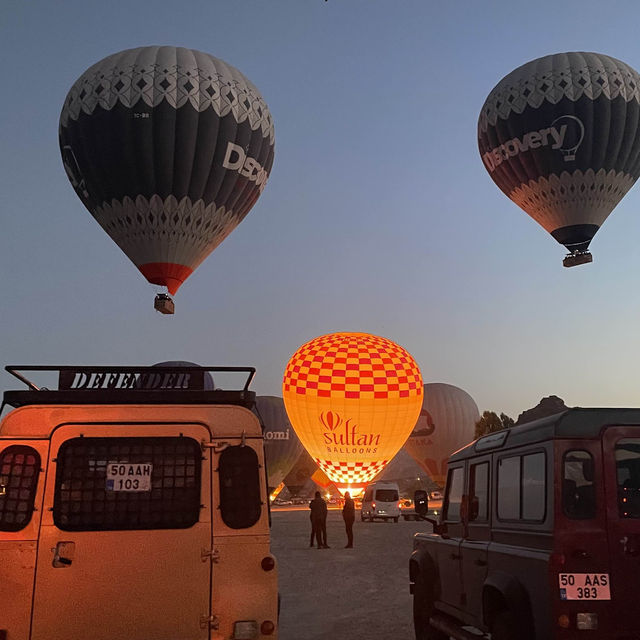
(134, 509)
(381, 500)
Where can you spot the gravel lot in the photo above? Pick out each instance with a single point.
(337, 593)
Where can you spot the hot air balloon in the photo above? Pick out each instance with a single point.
(447, 422)
(353, 399)
(281, 444)
(560, 136)
(302, 471)
(168, 148)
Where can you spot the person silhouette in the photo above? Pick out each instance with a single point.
(348, 515)
(318, 518)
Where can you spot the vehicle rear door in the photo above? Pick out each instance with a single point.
(621, 454)
(125, 524)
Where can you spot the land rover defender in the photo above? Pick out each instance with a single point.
(133, 504)
(539, 536)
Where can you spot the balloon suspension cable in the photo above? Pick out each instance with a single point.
(575, 258)
(164, 304)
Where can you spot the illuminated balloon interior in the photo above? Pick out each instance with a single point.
(353, 399)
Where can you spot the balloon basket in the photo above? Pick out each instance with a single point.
(575, 258)
(164, 304)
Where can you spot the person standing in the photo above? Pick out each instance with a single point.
(348, 515)
(318, 518)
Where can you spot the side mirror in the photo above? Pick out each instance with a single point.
(421, 502)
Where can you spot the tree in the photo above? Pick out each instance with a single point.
(490, 422)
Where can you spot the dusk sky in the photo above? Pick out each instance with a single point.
(379, 215)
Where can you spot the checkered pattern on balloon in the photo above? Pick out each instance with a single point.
(353, 399)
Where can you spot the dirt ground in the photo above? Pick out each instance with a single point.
(337, 593)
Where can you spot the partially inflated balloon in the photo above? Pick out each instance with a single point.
(560, 136)
(281, 444)
(168, 148)
(447, 422)
(353, 399)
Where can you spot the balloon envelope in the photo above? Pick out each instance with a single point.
(353, 399)
(447, 422)
(281, 444)
(168, 148)
(302, 471)
(560, 137)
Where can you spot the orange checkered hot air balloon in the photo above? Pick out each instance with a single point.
(353, 399)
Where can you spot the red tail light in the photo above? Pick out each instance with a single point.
(268, 563)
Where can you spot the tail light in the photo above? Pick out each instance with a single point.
(267, 628)
(268, 563)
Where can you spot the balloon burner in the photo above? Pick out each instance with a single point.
(575, 258)
(164, 304)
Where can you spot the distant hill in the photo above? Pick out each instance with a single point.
(548, 406)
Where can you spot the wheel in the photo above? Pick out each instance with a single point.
(422, 610)
(361, 517)
(395, 519)
(505, 626)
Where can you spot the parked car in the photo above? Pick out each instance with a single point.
(539, 536)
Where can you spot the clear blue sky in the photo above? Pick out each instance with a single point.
(379, 215)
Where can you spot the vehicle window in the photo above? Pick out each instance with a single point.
(239, 472)
(533, 486)
(522, 487)
(578, 488)
(453, 499)
(479, 490)
(509, 488)
(19, 469)
(368, 495)
(627, 455)
(387, 495)
(113, 484)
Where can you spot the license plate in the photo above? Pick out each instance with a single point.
(129, 477)
(584, 586)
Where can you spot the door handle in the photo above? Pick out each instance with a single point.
(63, 554)
(454, 556)
(481, 563)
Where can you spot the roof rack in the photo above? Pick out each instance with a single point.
(157, 384)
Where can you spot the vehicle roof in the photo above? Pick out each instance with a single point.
(577, 422)
(39, 421)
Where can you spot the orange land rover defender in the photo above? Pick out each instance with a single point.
(133, 504)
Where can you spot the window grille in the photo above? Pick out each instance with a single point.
(240, 503)
(19, 469)
(86, 499)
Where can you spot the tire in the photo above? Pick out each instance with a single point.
(505, 626)
(361, 517)
(422, 610)
(396, 519)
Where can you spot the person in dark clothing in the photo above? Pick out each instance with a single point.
(348, 515)
(318, 521)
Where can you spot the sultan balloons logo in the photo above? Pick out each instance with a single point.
(168, 148)
(560, 136)
(353, 399)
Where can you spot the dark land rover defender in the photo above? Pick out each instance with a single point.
(539, 536)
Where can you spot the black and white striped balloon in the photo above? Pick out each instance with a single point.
(168, 148)
(560, 136)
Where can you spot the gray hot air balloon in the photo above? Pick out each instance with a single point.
(281, 444)
(168, 148)
(201, 380)
(446, 423)
(560, 136)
